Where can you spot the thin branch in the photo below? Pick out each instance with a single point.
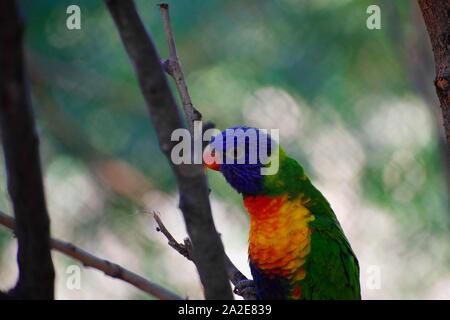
(21, 149)
(208, 252)
(173, 67)
(185, 249)
(109, 268)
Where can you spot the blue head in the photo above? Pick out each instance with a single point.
(240, 153)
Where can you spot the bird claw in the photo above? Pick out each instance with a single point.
(246, 289)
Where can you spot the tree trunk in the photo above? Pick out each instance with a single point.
(436, 16)
(21, 148)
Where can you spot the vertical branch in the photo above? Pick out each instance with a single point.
(436, 16)
(21, 150)
(173, 67)
(208, 251)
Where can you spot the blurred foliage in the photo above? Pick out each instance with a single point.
(342, 95)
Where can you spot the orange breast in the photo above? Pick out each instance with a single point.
(280, 235)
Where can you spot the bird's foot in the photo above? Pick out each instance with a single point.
(246, 289)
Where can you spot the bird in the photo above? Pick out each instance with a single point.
(297, 248)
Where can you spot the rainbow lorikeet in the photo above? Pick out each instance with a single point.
(297, 248)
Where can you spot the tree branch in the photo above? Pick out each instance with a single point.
(21, 150)
(173, 67)
(436, 16)
(208, 252)
(109, 268)
(185, 249)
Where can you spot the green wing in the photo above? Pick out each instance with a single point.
(332, 270)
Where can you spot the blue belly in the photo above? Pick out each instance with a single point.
(269, 287)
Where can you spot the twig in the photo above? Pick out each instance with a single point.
(185, 249)
(109, 268)
(173, 67)
(21, 149)
(208, 252)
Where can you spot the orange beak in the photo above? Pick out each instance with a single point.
(210, 159)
